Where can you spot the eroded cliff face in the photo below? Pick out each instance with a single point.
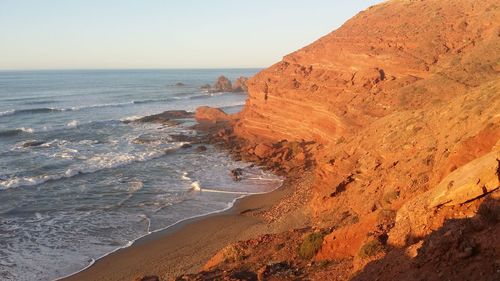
(400, 55)
(398, 97)
(398, 109)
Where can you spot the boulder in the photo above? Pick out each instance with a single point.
(465, 184)
(468, 182)
(236, 174)
(210, 114)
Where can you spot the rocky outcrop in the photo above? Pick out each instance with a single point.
(240, 85)
(476, 179)
(471, 181)
(211, 115)
(223, 84)
(169, 118)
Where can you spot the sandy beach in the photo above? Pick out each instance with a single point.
(187, 246)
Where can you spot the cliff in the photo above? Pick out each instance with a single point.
(397, 116)
(399, 96)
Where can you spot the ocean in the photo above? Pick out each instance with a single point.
(78, 182)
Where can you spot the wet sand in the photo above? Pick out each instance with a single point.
(186, 246)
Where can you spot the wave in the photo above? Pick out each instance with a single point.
(174, 98)
(196, 186)
(40, 110)
(94, 164)
(7, 112)
(40, 102)
(118, 104)
(131, 118)
(15, 132)
(152, 101)
(149, 232)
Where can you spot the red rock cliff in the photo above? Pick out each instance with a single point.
(395, 56)
(399, 96)
(399, 110)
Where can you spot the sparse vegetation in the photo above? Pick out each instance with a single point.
(390, 196)
(370, 248)
(311, 245)
(323, 263)
(233, 253)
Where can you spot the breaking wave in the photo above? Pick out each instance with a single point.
(94, 164)
(15, 132)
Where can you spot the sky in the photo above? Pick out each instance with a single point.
(115, 34)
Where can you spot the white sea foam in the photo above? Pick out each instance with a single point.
(76, 108)
(135, 186)
(94, 164)
(7, 112)
(27, 130)
(72, 124)
(132, 118)
(196, 186)
(185, 176)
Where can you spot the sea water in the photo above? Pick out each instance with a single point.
(77, 181)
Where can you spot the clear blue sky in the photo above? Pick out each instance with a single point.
(78, 34)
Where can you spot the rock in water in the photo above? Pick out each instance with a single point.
(166, 117)
(236, 174)
(240, 85)
(222, 85)
(206, 87)
(33, 143)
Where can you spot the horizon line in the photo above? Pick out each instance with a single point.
(152, 68)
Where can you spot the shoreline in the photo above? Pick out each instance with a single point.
(186, 245)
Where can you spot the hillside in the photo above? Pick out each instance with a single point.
(394, 119)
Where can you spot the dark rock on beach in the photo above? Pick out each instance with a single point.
(201, 148)
(186, 145)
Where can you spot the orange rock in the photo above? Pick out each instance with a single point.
(209, 114)
(262, 150)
